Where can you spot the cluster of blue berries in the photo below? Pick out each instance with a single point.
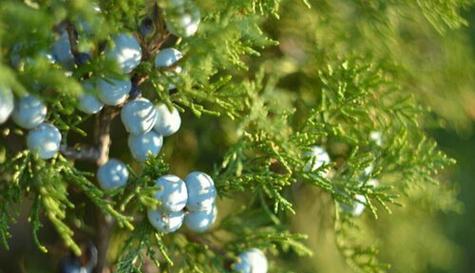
(29, 112)
(191, 201)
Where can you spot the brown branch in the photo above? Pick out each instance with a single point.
(73, 41)
(99, 153)
(104, 223)
(102, 133)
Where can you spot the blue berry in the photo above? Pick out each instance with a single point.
(29, 112)
(165, 222)
(144, 145)
(376, 137)
(317, 157)
(201, 221)
(126, 51)
(62, 50)
(167, 122)
(113, 174)
(139, 116)
(44, 140)
(113, 91)
(88, 102)
(70, 264)
(7, 104)
(147, 28)
(83, 58)
(201, 191)
(167, 57)
(172, 193)
(183, 18)
(251, 261)
(357, 207)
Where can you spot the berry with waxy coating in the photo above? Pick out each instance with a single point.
(126, 51)
(172, 193)
(113, 91)
(84, 264)
(113, 174)
(317, 157)
(201, 191)
(7, 104)
(183, 18)
(376, 137)
(251, 261)
(29, 112)
(71, 264)
(139, 116)
(88, 102)
(44, 140)
(201, 221)
(61, 50)
(168, 122)
(145, 144)
(357, 207)
(368, 170)
(167, 57)
(165, 222)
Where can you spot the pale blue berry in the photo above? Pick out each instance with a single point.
(368, 170)
(113, 91)
(316, 158)
(373, 182)
(113, 174)
(168, 122)
(165, 222)
(7, 104)
(183, 19)
(251, 261)
(201, 191)
(172, 193)
(44, 140)
(144, 145)
(201, 221)
(138, 116)
(167, 57)
(376, 137)
(357, 207)
(29, 112)
(62, 50)
(88, 102)
(126, 51)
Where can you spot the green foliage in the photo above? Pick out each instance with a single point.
(330, 75)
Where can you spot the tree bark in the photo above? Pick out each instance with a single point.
(104, 223)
